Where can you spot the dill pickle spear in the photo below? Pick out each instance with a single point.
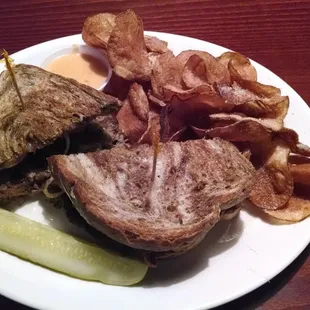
(61, 252)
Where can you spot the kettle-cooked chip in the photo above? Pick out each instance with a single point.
(274, 182)
(97, 29)
(129, 123)
(292, 139)
(133, 115)
(196, 94)
(195, 72)
(136, 118)
(229, 118)
(139, 102)
(301, 173)
(254, 105)
(257, 88)
(273, 108)
(202, 98)
(241, 63)
(167, 70)
(172, 124)
(154, 45)
(190, 107)
(242, 131)
(296, 210)
(126, 48)
(302, 149)
(202, 68)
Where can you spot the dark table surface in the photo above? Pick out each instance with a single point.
(275, 33)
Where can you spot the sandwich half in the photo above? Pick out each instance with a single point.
(49, 113)
(195, 181)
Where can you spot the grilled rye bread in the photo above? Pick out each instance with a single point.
(51, 106)
(29, 176)
(194, 181)
(56, 115)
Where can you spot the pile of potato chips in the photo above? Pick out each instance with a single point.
(195, 95)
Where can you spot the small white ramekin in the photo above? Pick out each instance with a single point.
(82, 49)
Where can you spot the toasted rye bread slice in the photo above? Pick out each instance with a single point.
(30, 175)
(194, 181)
(52, 106)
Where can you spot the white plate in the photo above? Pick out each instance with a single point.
(212, 274)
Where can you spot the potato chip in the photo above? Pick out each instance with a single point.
(296, 210)
(184, 56)
(133, 117)
(302, 149)
(292, 139)
(225, 118)
(241, 131)
(273, 124)
(153, 128)
(277, 164)
(289, 136)
(165, 130)
(97, 29)
(137, 119)
(253, 105)
(246, 134)
(189, 108)
(301, 173)
(155, 100)
(264, 194)
(192, 107)
(155, 45)
(241, 63)
(247, 153)
(130, 125)
(126, 48)
(273, 183)
(202, 68)
(171, 127)
(296, 159)
(118, 87)
(138, 101)
(166, 71)
(153, 58)
(202, 98)
(273, 108)
(235, 94)
(253, 86)
(195, 72)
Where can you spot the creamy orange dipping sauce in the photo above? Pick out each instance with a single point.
(84, 68)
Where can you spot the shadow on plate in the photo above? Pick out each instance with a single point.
(53, 215)
(17, 203)
(57, 218)
(250, 301)
(223, 236)
(168, 272)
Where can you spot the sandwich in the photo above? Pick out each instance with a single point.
(166, 209)
(57, 131)
(47, 114)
